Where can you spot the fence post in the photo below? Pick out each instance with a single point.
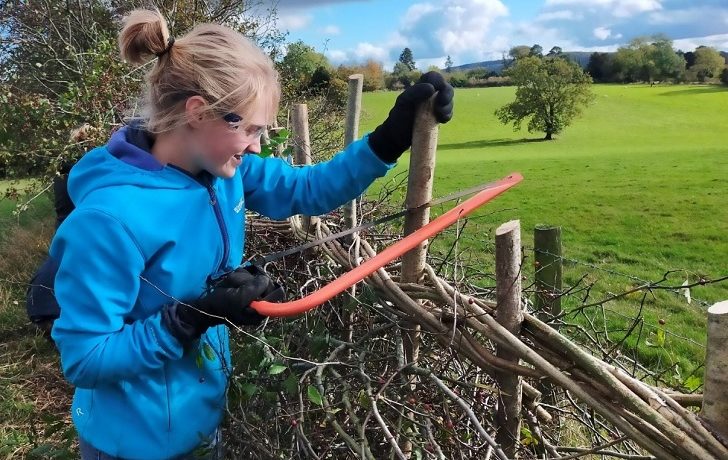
(301, 146)
(353, 112)
(548, 269)
(715, 393)
(419, 192)
(510, 315)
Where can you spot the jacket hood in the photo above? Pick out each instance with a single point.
(126, 160)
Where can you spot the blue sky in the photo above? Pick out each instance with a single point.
(352, 31)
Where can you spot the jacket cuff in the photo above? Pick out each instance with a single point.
(370, 151)
(179, 329)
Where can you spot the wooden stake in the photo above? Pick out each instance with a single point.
(301, 146)
(510, 315)
(715, 394)
(353, 112)
(351, 133)
(548, 269)
(419, 192)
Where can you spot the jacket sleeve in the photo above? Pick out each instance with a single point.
(96, 286)
(278, 190)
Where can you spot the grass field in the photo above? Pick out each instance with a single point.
(638, 184)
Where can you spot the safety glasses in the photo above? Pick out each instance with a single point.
(235, 121)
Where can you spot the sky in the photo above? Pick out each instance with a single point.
(352, 31)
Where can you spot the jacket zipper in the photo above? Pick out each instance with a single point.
(208, 184)
(221, 223)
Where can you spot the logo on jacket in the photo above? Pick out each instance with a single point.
(240, 204)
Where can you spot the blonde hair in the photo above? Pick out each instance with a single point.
(212, 61)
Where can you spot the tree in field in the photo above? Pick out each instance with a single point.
(448, 64)
(403, 76)
(708, 63)
(407, 59)
(556, 51)
(536, 50)
(373, 74)
(518, 52)
(689, 59)
(550, 94)
(724, 76)
(648, 59)
(600, 67)
(299, 64)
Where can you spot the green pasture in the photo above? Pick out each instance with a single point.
(639, 185)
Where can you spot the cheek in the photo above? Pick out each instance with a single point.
(220, 146)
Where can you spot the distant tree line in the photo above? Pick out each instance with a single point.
(654, 59)
(644, 59)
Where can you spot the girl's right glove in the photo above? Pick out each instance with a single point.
(229, 300)
(393, 137)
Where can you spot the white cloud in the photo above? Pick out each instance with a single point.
(719, 42)
(416, 12)
(450, 27)
(294, 21)
(602, 33)
(687, 16)
(565, 15)
(365, 51)
(337, 56)
(331, 30)
(433, 30)
(438, 62)
(619, 8)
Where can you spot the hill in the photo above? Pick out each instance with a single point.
(582, 57)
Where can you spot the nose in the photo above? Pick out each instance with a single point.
(254, 146)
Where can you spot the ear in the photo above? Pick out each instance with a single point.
(194, 111)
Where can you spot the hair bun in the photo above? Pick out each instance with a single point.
(145, 35)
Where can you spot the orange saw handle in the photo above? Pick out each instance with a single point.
(394, 251)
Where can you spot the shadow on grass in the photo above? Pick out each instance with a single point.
(707, 89)
(487, 143)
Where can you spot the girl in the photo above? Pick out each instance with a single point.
(148, 261)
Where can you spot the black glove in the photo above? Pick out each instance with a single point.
(229, 300)
(393, 137)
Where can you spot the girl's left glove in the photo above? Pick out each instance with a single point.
(228, 301)
(393, 137)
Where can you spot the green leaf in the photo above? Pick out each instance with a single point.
(314, 396)
(198, 361)
(208, 352)
(364, 400)
(290, 384)
(283, 133)
(660, 337)
(276, 369)
(266, 150)
(249, 389)
(527, 437)
(692, 383)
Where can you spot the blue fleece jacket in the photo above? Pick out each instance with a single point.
(142, 236)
